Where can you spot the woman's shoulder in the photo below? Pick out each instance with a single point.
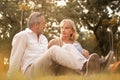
(76, 42)
(54, 42)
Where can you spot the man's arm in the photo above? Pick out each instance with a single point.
(17, 52)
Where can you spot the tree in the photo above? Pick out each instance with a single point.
(95, 16)
(10, 19)
(98, 16)
(14, 14)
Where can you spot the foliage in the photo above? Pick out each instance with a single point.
(94, 15)
(98, 16)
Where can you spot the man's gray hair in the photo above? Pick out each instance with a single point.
(33, 18)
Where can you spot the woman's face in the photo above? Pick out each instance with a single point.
(66, 30)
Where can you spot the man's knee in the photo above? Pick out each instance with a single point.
(54, 47)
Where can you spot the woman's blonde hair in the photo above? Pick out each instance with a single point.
(71, 24)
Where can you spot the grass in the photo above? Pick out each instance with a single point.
(17, 76)
(102, 76)
(81, 77)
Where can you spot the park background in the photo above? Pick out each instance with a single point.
(97, 22)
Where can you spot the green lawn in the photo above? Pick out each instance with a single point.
(102, 76)
(4, 53)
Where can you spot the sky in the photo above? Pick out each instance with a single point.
(61, 3)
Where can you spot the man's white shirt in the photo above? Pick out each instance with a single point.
(26, 47)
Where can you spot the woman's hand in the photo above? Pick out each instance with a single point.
(85, 53)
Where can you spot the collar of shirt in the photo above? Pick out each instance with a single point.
(28, 30)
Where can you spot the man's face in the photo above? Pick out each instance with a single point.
(41, 25)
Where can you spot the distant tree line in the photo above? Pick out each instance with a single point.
(100, 17)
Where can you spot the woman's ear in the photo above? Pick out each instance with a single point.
(73, 31)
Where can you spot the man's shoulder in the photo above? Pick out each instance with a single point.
(43, 37)
(21, 33)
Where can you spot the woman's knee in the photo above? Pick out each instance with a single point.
(54, 48)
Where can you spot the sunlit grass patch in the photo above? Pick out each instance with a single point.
(101, 76)
(82, 77)
(19, 76)
(3, 75)
(104, 76)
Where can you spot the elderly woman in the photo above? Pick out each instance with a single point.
(68, 35)
(68, 38)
